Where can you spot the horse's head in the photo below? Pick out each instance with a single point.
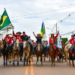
(5, 44)
(51, 47)
(16, 45)
(1, 44)
(39, 47)
(25, 44)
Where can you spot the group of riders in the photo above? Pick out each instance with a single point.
(23, 37)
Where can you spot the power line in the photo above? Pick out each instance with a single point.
(45, 11)
(64, 18)
(72, 32)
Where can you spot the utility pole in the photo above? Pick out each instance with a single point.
(56, 28)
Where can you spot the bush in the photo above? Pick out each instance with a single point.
(64, 40)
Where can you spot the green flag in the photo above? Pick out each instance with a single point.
(4, 20)
(43, 31)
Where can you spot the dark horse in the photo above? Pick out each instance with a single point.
(5, 52)
(1, 48)
(72, 56)
(39, 52)
(52, 53)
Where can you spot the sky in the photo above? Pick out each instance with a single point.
(19, 13)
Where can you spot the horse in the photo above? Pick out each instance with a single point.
(1, 47)
(72, 56)
(39, 52)
(60, 54)
(66, 52)
(45, 49)
(5, 52)
(26, 52)
(16, 52)
(52, 54)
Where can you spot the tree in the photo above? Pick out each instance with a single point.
(64, 40)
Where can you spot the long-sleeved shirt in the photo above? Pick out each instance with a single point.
(72, 41)
(8, 40)
(17, 37)
(51, 40)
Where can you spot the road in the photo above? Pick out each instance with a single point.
(46, 69)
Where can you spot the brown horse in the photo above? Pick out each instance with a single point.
(52, 54)
(39, 52)
(16, 52)
(5, 52)
(26, 52)
(1, 47)
(60, 54)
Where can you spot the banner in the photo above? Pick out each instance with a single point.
(59, 42)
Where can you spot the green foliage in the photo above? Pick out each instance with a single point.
(64, 40)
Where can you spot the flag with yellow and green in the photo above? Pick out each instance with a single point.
(4, 20)
(43, 31)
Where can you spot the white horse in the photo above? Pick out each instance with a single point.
(26, 52)
(66, 51)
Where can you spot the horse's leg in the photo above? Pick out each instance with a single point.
(41, 60)
(37, 60)
(27, 58)
(54, 60)
(14, 59)
(66, 56)
(24, 58)
(17, 59)
(72, 61)
(4, 60)
(51, 60)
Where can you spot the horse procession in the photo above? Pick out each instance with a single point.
(20, 48)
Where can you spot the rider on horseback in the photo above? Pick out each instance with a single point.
(18, 36)
(8, 40)
(39, 39)
(52, 39)
(29, 42)
(72, 41)
(24, 37)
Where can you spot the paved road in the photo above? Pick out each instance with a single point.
(46, 69)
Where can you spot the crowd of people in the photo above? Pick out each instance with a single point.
(23, 37)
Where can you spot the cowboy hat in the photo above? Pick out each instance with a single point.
(7, 33)
(18, 32)
(11, 36)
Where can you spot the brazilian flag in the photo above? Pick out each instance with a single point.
(4, 20)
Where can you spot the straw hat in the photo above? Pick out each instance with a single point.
(7, 33)
(11, 36)
(18, 32)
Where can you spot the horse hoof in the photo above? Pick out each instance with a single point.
(37, 63)
(4, 64)
(17, 64)
(23, 64)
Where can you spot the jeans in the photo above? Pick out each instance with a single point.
(30, 46)
(72, 47)
(21, 48)
(12, 45)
